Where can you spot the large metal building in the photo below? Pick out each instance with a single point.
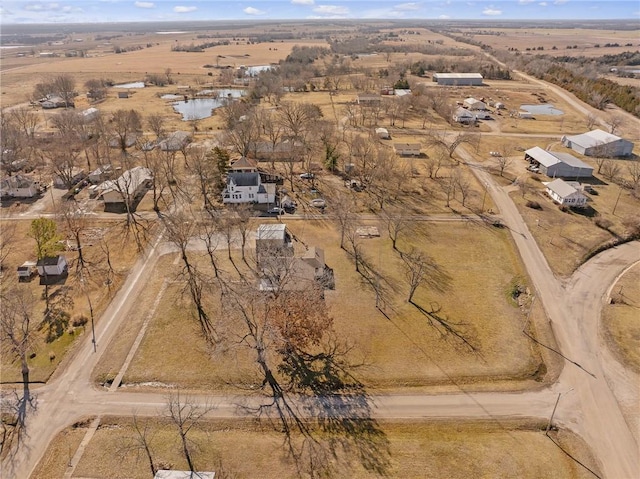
(557, 165)
(598, 143)
(458, 79)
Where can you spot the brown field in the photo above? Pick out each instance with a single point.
(585, 39)
(123, 255)
(402, 351)
(436, 449)
(620, 318)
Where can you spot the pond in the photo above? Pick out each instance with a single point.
(199, 108)
(256, 70)
(135, 84)
(543, 109)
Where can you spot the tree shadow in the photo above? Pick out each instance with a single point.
(15, 408)
(445, 327)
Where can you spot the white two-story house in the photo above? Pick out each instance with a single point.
(248, 188)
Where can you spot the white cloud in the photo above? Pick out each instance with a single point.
(444, 17)
(407, 6)
(303, 2)
(560, 2)
(525, 2)
(41, 7)
(253, 11)
(183, 9)
(492, 12)
(145, 4)
(543, 4)
(331, 10)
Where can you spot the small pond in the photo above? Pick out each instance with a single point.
(135, 84)
(256, 70)
(542, 109)
(199, 108)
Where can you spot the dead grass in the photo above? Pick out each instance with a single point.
(59, 453)
(401, 351)
(123, 255)
(436, 449)
(620, 318)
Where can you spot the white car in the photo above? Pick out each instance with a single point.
(318, 203)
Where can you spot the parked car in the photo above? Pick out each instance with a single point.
(275, 211)
(318, 203)
(307, 176)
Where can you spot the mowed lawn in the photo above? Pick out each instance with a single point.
(401, 349)
(415, 450)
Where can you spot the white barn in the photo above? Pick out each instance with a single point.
(458, 79)
(473, 104)
(565, 194)
(557, 165)
(598, 143)
(52, 266)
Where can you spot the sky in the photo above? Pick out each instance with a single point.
(90, 11)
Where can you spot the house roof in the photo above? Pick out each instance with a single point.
(561, 188)
(472, 101)
(463, 113)
(175, 141)
(244, 179)
(272, 232)
(406, 146)
(17, 181)
(593, 138)
(550, 158)
(382, 130)
(314, 256)
(49, 261)
(244, 163)
(128, 182)
(457, 75)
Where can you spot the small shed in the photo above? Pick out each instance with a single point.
(383, 133)
(89, 114)
(564, 193)
(123, 94)
(407, 149)
(525, 115)
(52, 266)
(368, 99)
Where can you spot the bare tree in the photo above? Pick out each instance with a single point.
(7, 242)
(157, 124)
(26, 119)
(74, 221)
(140, 442)
(450, 144)
(611, 170)
(185, 414)
(397, 224)
(344, 214)
(448, 187)
(591, 121)
(614, 123)
(434, 162)
(463, 185)
(123, 128)
(633, 168)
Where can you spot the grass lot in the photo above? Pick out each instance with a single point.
(621, 318)
(401, 351)
(417, 450)
(123, 255)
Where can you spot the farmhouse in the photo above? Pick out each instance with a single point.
(565, 194)
(557, 165)
(407, 149)
(382, 133)
(19, 186)
(126, 190)
(464, 116)
(89, 114)
(598, 143)
(52, 266)
(248, 188)
(473, 104)
(458, 79)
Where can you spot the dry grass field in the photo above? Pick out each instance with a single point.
(48, 355)
(400, 351)
(620, 319)
(416, 450)
(585, 39)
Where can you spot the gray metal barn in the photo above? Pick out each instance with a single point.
(458, 79)
(557, 165)
(598, 143)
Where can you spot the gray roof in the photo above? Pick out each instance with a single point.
(272, 232)
(457, 75)
(244, 179)
(561, 188)
(593, 138)
(550, 158)
(129, 181)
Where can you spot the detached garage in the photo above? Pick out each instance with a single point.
(557, 165)
(598, 143)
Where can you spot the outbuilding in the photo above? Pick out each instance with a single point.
(19, 186)
(458, 79)
(598, 143)
(382, 133)
(564, 193)
(557, 165)
(126, 190)
(464, 116)
(473, 104)
(407, 149)
(52, 266)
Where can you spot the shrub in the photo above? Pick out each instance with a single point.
(79, 321)
(534, 205)
(603, 223)
(563, 208)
